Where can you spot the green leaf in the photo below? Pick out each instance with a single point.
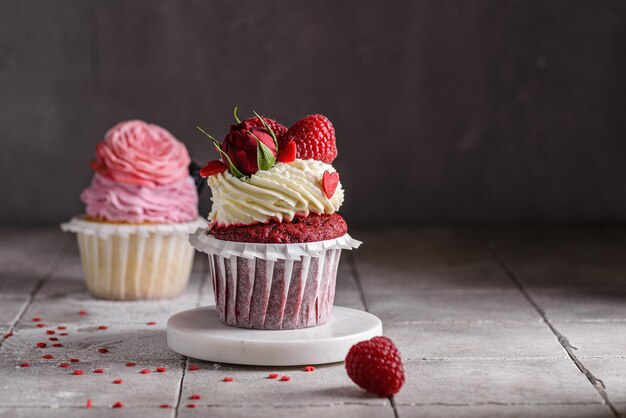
(264, 157)
(270, 130)
(233, 170)
(235, 114)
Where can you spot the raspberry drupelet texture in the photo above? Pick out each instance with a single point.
(315, 139)
(301, 229)
(376, 366)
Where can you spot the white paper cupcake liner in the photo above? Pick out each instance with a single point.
(132, 262)
(273, 286)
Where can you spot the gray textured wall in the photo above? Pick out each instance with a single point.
(444, 110)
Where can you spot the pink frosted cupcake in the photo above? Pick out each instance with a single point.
(275, 239)
(140, 208)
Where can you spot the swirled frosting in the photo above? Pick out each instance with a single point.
(140, 153)
(124, 202)
(280, 193)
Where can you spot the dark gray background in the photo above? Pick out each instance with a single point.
(445, 111)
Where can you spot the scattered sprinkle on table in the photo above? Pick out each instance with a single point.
(37, 319)
(74, 360)
(51, 332)
(47, 356)
(64, 365)
(192, 405)
(103, 327)
(10, 334)
(88, 404)
(165, 405)
(78, 372)
(195, 396)
(63, 334)
(161, 369)
(272, 375)
(130, 364)
(151, 323)
(118, 404)
(57, 345)
(25, 365)
(83, 313)
(309, 369)
(118, 381)
(40, 325)
(145, 371)
(229, 379)
(42, 345)
(285, 379)
(98, 371)
(53, 339)
(103, 350)
(61, 327)
(192, 368)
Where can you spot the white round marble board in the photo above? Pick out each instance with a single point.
(198, 333)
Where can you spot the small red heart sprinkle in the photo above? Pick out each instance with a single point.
(47, 356)
(213, 167)
(145, 371)
(53, 339)
(195, 396)
(161, 369)
(10, 334)
(165, 405)
(192, 405)
(272, 375)
(99, 371)
(103, 327)
(118, 405)
(309, 369)
(229, 379)
(42, 345)
(36, 319)
(63, 334)
(151, 323)
(51, 332)
(25, 365)
(40, 325)
(61, 327)
(118, 381)
(103, 350)
(130, 364)
(287, 153)
(78, 372)
(329, 183)
(285, 379)
(64, 365)
(88, 404)
(193, 368)
(57, 345)
(83, 313)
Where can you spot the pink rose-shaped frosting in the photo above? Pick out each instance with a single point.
(136, 152)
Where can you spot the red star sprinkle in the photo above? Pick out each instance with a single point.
(272, 375)
(285, 379)
(78, 372)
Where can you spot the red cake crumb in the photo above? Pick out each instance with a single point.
(301, 229)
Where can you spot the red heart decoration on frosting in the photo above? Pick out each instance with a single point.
(329, 183)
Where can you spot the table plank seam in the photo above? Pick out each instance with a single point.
(597, 383)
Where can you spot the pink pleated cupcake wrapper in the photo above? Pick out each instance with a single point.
(273, 286)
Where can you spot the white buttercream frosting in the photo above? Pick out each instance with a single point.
(280, 193)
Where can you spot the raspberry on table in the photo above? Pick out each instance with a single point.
(376, 366)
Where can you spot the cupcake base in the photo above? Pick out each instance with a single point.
(134, 262)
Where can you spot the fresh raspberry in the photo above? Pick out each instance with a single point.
(375, 365)
(314, 136)
(278, 128)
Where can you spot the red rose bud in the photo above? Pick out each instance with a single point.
(241, 146)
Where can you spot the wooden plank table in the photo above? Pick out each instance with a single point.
(507, 321)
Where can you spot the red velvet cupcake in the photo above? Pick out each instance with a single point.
(275, 236)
